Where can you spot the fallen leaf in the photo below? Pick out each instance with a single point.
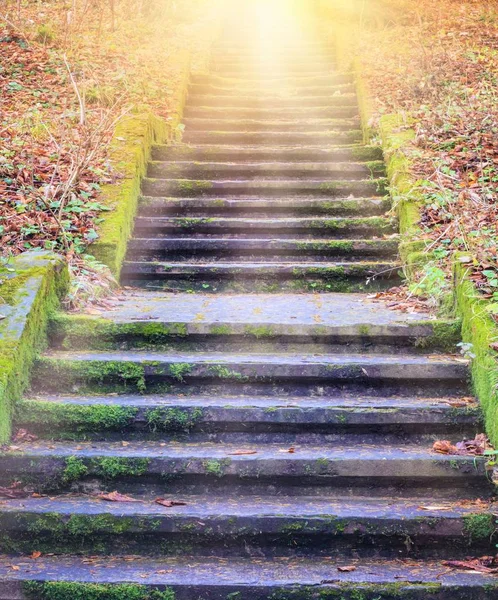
(169, 503)
(117, 497)
(347, 569)
(36, 555)
(242, 452)
(435, 507)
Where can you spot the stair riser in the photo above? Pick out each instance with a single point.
(203, 208)
(329, 189)
(244, 154)
(209, 170)
(435, 538)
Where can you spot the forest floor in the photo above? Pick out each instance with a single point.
(438, 64)
(67, 75)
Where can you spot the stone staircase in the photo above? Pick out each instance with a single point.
(290, 432)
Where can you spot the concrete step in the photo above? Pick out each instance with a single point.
(291, 89)
(306, 154)
(248, 249)
(253, 419)
(274, 138)
(339, 227)
(247, 527)
(266, 187)
(304, 80)
(236, 112)
(251, 125)
(138, 370)
(273, 101)
(270, 170)
(250, 579)
(262, 276)
(147, 468)
(254, 208)
(289, 322)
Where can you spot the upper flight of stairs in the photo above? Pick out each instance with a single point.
(271, 188)
(294, 429)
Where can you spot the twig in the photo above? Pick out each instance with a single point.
(77, 92)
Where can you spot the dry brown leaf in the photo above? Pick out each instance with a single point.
(242, 452)
(169, 503)
(346, 569)
(117, 497)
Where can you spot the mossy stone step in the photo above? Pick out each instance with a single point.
(50, 466)
(292, 89)
(207, 526)
(306, 154)
(273, 101)
(261, 125)
(276, 138)
(235, 112)
(255, 207)
(255, 248)
(266, 187)
(105, 417)
(139, 370)
(241, 82)
(264, 276)
(66, 578)
(285, 170)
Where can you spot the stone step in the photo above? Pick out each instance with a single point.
(273, 101)
(254, 208)
(265, 187)
(248, 249)
(236, 112)
(304, 80)
(248, 527)
(138, 370)
(336, 322)
(153, 416)
(242, 578)
(271, 170)
(251, 125)
(291, 90)
(147, 468)
(213, 276)
(306, 154)
(274, 138)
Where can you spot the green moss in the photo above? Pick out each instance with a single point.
(216, 467)
(479, 527)
(259, 331)
(74, 471)
(113, 468)
(179, 370)
(367, 153)
(190, 188)
(173, 419)
(55, 373)
(226, 373)
(33, 291)
(77, 418)
(445, 336)
(220, 330)
(91, 591)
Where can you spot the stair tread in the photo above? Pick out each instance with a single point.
(247, 573)
(359, 453)
(225, 507)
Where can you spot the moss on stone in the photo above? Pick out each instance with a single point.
(90, 591)
(173, 419)
(77, 418)
(445, 335)
(113, 467)
(179, 370)
(34, 289)
(74, 470)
